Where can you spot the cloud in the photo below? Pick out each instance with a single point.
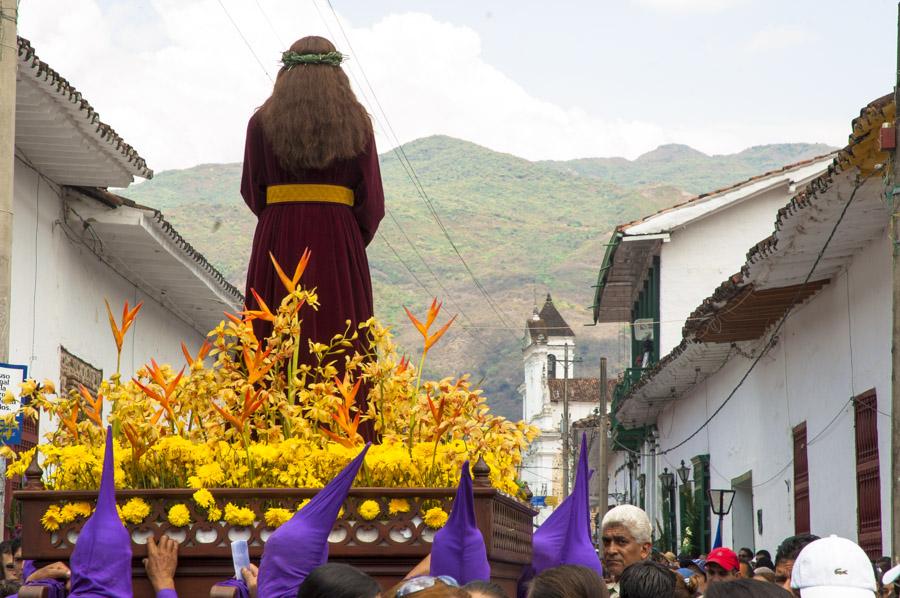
(779, 37)
(174, 78)
(689, 6)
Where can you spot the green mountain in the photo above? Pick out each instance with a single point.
(688, 169)
(524, 228)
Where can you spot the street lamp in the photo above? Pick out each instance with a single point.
(720, 502)
(684, 472)
(667, 481)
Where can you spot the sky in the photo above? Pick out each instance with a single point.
(178, 79)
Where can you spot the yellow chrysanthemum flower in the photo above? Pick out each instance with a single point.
(214, 514)
(435, 518)
(52, 518)
(398, 505)
(211, 474)
(179, 515)
(204, 498)
(277, 516)
(302, 504)
(236, 515)
(369, 510)
(134, 511)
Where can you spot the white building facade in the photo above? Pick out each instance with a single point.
(76, 245)
(776, 383)
(549, 357)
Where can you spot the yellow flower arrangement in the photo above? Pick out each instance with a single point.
(435, 517)
(243, 412)
(235, 515)
(398, 505)
(204, 498)
(52, 518)
(179, 515)
(135, 511)
(276, 516)
(369, 510)
(73, 510)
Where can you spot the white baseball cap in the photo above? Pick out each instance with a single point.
(833, 567)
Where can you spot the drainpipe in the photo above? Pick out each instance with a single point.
(895, 309)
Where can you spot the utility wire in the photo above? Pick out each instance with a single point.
(781, 322)
(246, 43)
(415, 178)
(272, 27)
(410, 174)
(774, 333)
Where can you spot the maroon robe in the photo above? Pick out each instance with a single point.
(336, 235)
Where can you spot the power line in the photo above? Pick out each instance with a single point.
(272, 27)
(414, 176)
(249, 47)
(390, 214)
(781, 322)
(774, 333)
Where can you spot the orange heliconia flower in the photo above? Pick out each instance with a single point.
(201, 354)
(251, 405)
(127, 321)
(95, 414)
(438, 414)
(256, 368)
(290, 284)
(168, 388)
(342, 416)
(137, 447)
(263, 313)
(403, 365)
(433, 311)
(71, 422)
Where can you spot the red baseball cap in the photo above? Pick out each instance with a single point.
(725, 558)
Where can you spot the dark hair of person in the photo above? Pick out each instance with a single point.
(487, 588)
(765, 562)
(568, 581)
(765, 553)
(6, 547)
(646, 579)
(337, 580)
(745, 588)
(313, 117)
(790, 548)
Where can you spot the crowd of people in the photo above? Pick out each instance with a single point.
(564, 563)
(805, 565)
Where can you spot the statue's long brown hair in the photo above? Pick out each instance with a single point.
(313, 117)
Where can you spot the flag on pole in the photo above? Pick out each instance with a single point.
(718, 541)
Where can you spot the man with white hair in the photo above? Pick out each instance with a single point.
(627, 539)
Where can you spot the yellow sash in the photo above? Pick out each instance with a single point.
(309, 193)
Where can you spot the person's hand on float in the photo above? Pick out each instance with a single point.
(161, 562)
(250, 575)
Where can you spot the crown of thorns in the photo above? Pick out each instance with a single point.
(292, 59)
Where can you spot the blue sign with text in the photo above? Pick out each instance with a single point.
(11, 377)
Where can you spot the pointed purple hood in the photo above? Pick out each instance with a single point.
(458, 549)
(101, 559)
(301, 544)
(565, 537)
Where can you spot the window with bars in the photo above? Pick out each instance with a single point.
(868, 480)
(801, 482)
